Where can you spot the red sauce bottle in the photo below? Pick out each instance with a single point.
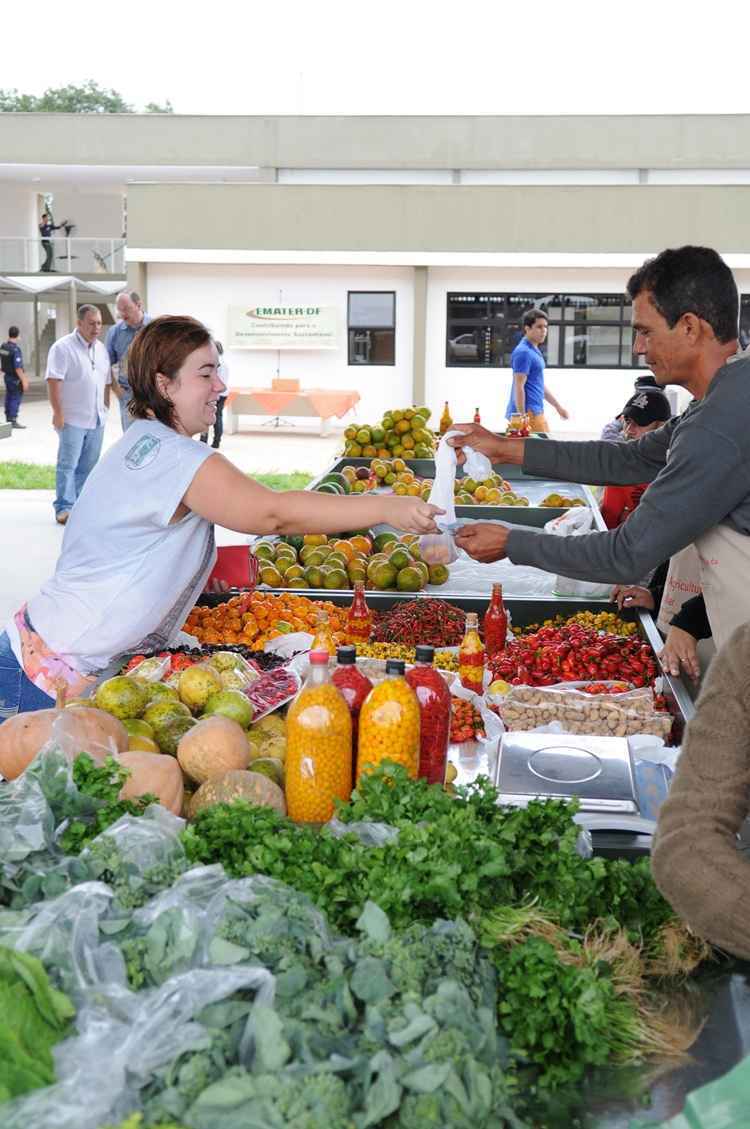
(495, 623)
(359, 616)
(477, 417)
(354, 686)
(434, 715)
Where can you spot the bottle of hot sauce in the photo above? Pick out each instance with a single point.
(471, 656)
(435, 715)
(359, 616)
(323, 638)
(355, 686)
(446, 422)
(477, 417)
(495, 623)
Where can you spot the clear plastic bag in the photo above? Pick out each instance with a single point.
(151, 669)
(573, 523)
(438, 548)
(639, 700)
(596, 716)
(369, 834)
(135, 1035)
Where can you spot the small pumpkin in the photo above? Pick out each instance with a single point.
(24, 734)
(212, 747)
(238, 785)
(155, 773)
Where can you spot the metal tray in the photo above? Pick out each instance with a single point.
(536, 516)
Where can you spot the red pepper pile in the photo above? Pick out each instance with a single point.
(572, 653)
(432, 622)
(466, 721)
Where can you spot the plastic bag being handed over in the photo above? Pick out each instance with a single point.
(439, 548)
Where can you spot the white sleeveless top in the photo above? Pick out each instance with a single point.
(126, 578)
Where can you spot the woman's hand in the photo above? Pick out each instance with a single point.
(680, 650)
(632, 596)
(412, 515)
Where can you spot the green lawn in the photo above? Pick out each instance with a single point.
(30, 476)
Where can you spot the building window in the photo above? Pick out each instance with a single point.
(585, 330)
(744, 321)
(371, 324)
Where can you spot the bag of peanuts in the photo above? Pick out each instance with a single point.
(581, 714)
(640, 700)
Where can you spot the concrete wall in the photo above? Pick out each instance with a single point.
(95, 214)
(448, 142)
(505, 218)
(206, 292)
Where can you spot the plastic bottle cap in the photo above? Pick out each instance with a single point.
(394, 666)
(319, 657)
(345, 656)
(424, 653)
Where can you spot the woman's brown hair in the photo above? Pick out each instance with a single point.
(162, 346)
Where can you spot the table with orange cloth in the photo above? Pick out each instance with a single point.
(323, 403)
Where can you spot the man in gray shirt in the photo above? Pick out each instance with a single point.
(685, 317)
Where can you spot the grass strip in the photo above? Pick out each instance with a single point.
(37, 476)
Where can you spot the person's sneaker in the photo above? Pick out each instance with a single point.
(18, 426)
(62, 518)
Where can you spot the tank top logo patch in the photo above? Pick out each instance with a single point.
(143, 452)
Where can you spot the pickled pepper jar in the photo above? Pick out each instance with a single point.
(355, 686)
(389, 723)
(495, 623)
(434, 715)
(319, 747)
(323, 638)
(471, 656)
(359, 616)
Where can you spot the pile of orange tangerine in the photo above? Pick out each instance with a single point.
(255, 618)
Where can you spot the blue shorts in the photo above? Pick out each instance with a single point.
(18, 694)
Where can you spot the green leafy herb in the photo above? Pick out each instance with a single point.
(33, 1017)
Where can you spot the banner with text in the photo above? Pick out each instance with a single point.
(283, 327)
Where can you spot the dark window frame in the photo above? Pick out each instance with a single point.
(572, 307)
(369, 329)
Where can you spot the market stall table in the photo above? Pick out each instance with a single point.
(323, 403)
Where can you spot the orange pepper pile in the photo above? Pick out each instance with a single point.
(255, 618)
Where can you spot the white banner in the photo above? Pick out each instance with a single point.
(283, 327)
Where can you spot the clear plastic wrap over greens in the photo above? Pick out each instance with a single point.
(124, 1039)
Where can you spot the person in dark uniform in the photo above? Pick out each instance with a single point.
(46, 230)
(16, 380)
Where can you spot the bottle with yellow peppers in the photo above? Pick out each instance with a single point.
(471, 656)
(389, 723)
(319, 747)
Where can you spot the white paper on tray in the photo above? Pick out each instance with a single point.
(287, 645)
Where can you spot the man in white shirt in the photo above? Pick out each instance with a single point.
(78, 387)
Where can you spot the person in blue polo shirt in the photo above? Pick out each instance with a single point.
(528, 391)
(16, 380)
(132, 317)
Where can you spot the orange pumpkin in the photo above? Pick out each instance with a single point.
(22, 736)
(155, 773)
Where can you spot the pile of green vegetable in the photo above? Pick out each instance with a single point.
(433, 962)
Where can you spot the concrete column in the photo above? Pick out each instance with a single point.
(419, 383)
(137, 280)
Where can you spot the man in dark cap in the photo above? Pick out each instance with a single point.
(646, 410)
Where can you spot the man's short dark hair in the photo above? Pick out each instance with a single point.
(532, 316)
(691, 280)
(14, 331)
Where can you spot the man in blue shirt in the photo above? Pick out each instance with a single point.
(528, 392)
(132, 317)
(16, 380)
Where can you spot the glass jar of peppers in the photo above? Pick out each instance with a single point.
(471, 656)
(495, 624)
(434, 715)
(354, 686)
